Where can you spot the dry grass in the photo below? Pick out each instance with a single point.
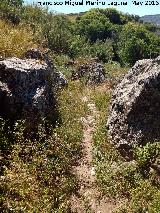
(14, 40)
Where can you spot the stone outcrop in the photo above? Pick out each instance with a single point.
(93, 73)
(57, 77)
(39, 55)
(28, 88)
(134, 116)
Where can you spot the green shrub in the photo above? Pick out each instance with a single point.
(146, 155)
(102, 50)
(144, 198)
(78, 46)
(94, 25)
(50, 30)
(10, 10)
(137, 43)
(59, 34)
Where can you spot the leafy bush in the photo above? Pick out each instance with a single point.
(94, 25)
(60, 62)
(102, 50)
(146, 155)
(137, 43)
(78, 46)
(113, 15)
(117, 17)
(10, 10)
(98, 23)
(51, 30)
(145, 198)
(58, 34)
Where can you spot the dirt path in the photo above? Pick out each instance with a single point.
(87, 198)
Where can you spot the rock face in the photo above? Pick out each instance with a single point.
(27, 88)
(38, 55)
(134, 116)
(93, 73)
(58, 78)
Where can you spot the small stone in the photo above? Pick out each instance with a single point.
(93, 171)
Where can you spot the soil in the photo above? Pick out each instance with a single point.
(88, 197)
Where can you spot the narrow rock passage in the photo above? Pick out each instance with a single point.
(88, 196)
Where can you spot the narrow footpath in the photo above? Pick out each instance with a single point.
(87, 199)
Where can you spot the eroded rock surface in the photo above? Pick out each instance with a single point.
(93, 73)
(57, 77)
(27, 88)
(134, 116)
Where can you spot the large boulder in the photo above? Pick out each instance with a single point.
(93, 73)
(134, 116)
(28, 88)
(57, 77)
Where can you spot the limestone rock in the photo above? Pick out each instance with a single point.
(59, 79)
(39, 55)
(93, 73)
(27, 88)
(134, 116)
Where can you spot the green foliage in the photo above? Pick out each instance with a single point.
(14, 3)
(38, 174)
(35, 17)
(146, 155)
(78, 46)
(131, 40)
(60, 62)
(99, 24)
(10, 10)
(137, 43)
(145, 198)
(52, 30)
(102, 50)
(71, 110)
(151, 27)
(113, 15)
(58, 34)
(94, 25)
(104, 33)
(119, 18)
